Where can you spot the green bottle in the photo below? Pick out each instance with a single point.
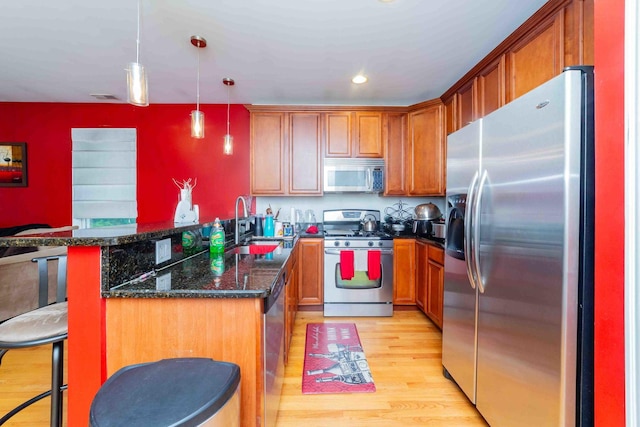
(216, 241)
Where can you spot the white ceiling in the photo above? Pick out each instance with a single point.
(278, 52)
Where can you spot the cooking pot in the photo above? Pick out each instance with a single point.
(427, 211)
(369, 225)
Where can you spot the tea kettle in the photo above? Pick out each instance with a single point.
(369, 225)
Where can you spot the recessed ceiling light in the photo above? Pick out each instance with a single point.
(359, 79)
(387, 1)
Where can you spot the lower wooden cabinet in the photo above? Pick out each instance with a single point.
(310, 267)
(404, 272)
(422, 275)
(430, 280)
(435, 284)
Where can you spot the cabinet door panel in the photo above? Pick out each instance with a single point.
(368, 142)
(426, 152)
(338, 134)
(537, 58)
(466, 103)
(491, 88)
(422, 275)
(404, 271)
(310, 277)
(267, 153)
(305, 153)
(395, 154)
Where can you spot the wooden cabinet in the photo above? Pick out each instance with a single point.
(310, 275)
(435, 284)
(395, 138)
(426, 150)
(560, 33)
(267, 153)
(338, 125)
(430, 280)
(353, 134)
(286, 152)
(404, 271)
(305, 161)
(422, 274)
(491, 87)
(466, 103)
(368, 134)
(291, 300)
(536, 58)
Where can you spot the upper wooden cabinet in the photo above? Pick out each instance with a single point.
(426, 152)
(396, 161)
(268, 146)
(559, 34)
(354, 134)
(305, 154)
(286, 153)
(536, 58)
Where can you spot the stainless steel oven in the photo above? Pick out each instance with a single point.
(358, 265)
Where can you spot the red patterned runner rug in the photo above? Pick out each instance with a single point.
(334, 361)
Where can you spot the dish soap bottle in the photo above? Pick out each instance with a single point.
(216, 242)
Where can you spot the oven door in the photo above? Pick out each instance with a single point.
(359, 295)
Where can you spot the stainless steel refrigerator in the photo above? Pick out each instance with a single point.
(517, 333)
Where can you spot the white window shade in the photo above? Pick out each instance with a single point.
(104, 173)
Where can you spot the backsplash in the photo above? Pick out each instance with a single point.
(339, 201)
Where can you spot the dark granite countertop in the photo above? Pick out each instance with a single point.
(200, 276)
(103, 236)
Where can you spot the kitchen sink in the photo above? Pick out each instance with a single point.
(256, 248)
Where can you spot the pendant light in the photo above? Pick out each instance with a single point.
(137, 89)
(197, 116)
(228, 139)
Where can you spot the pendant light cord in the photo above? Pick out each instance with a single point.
(138, 36)
(198, 83)
(228, 109)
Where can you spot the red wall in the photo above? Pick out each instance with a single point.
(609, 272)
(165, 151)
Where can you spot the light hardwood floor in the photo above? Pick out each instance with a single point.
(403, 351)
(404, 354)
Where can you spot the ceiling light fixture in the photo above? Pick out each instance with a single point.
(359, 79)
(228, 139)
(137, 89)
(197, 116)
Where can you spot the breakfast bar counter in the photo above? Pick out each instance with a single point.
(126, 309)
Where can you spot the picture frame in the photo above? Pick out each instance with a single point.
(13, 164)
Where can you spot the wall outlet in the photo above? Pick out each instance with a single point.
(163, 283)
(163, 250)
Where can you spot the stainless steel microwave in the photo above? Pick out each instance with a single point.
(353, 175)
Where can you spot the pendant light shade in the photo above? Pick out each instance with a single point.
(228, 139)
(197, 124)
(137, 88)
(197, 116)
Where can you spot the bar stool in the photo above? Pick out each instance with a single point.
(183, 392)
(44, 325)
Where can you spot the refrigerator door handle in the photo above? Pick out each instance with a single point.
(476, 231)
(468, 227)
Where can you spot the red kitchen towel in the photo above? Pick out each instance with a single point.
(346, 265)
(373, 265)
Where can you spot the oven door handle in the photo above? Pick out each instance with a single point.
(337, 251)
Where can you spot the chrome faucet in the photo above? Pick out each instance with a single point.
(246, 214)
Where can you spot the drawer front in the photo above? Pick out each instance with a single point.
(436, 254)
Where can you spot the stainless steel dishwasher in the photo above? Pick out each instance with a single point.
(273, 350)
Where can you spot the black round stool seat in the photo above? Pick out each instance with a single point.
(170, 392)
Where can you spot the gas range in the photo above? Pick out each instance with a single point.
(343, 229)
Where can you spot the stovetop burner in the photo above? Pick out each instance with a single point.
(356, 234)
